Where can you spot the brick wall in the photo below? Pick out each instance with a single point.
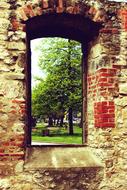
(104, 83)
(102, 87)
(123, 15)
(106, 112)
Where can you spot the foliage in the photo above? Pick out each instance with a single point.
(61, 89)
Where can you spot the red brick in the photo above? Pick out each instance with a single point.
(96, 121)
(17, 154)
(112, 71)
(103, 103)
(106, 30)
(96, 116)
(104, 110)
(103, 70)
(97, 125)
(12, 154)
(123, 15)
(111, 111)
(60, 3)
(3, 154)
(2, 150)
(45, 4)
(22, 106)
(104, 84)
(110, 30)
(124, 18)
(3, 158)
(123, 12)
(102, 120)
(115, 31)
(13, 111)
(111, 89)
(105, 125)
(111, 80)
(22, 111)
(5, 143)
(111, 107)
(18, 101)
(106, 75)
(101, 106)
(104, 115)
(125, 26)
(111, 120)
(111, 103)
(102, 80)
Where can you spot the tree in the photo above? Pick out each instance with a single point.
(62, 89)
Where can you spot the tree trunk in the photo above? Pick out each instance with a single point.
(57, 121)
(54, 121)
(70, 118)
(50, 122)
(61, 120)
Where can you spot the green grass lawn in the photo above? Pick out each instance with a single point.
(57, 135)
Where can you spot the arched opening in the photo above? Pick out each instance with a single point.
(56, 91)
(69, 26)
(75, 27)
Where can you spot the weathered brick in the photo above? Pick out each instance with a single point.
(106, 84)
(29, 10)
(45, 4)
(104, 114)
(123, 15)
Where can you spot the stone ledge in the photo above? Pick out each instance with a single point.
(60, 158)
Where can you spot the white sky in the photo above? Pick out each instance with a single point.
(34, 60)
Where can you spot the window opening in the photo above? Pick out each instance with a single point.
(56, 91)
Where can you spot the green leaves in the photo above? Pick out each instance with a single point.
(62, 88)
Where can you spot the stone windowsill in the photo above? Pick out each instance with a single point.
(60, 158)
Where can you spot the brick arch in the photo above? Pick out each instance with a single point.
(84, 18)
(91, 9)
(78, 21)
(70, 26)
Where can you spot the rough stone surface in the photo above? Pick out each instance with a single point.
(56, 158)
(105, 117)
